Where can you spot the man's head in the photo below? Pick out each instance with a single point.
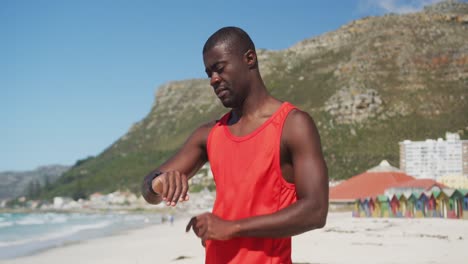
(235, 39)
(231, 64)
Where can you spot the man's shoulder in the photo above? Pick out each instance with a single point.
(200, 135)
(206, 127)
(298, 124)
(298, 117)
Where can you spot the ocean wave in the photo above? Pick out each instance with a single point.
(30, 221)
(40, 219)
(69, 231)
(5, 224)
(58, 219)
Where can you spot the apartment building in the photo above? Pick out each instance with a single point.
(433, 159)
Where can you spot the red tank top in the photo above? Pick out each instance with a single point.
(249, 182)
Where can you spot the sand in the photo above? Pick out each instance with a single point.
(343, 240)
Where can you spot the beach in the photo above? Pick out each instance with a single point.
(343, 240)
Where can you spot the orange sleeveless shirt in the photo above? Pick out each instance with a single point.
(249, 183)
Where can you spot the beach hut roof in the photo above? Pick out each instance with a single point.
(423, 195)
(437, 194)
(382, 198)
(402, 197)
(449, 192)
(370, 183)
(428, 193)
(455, 194)
(407, 194)
(415, 195)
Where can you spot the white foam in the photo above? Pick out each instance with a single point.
(30, 221)
(59, 234)
(5, 224)
(40, 219)
(57, 219)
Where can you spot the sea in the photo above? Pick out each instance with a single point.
(24, 234)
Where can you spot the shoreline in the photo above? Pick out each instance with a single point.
(27, 234)
(121, 232)
(111, 248)
(343, 240)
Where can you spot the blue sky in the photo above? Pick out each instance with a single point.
(75, 75)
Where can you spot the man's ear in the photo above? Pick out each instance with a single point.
(250, 58)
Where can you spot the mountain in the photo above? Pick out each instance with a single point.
(17, 183)
(368, 85)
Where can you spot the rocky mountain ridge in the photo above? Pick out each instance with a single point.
(15, 183)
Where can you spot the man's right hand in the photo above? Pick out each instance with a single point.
(172, 186)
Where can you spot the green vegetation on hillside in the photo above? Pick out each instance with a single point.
(393, 78)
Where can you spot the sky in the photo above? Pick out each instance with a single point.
(75, 75)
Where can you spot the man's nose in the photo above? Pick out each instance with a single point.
(215, 79)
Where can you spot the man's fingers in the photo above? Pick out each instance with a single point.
(172, 183)
(172, 186)
(202, 230)
(157, 186)
(198, 224)
(184, 196)
(165, 186)
(178, 189)
(191, 223)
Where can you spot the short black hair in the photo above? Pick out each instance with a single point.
(235, 38)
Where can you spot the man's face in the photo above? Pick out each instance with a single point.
(227, 72)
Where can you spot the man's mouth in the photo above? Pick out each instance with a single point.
(222, 93)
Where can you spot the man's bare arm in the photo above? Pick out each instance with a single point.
(310, 177)
(172, 185)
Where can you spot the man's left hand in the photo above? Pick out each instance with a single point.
(208, 226)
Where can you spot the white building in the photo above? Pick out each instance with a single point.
(435, 158)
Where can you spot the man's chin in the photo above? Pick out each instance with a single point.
(227, 103)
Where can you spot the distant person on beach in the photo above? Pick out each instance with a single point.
(266, 158)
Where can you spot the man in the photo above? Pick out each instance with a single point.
(270, 174)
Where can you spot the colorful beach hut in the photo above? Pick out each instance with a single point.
(403, 204)
(455, 205)
(357, 208)
(361, 208)
(374, 206)
(465, 203)
(442, 201)
(420, 205)
(430, 205)
(395, 206)
(367, 207)
(384, 206)
(411, 208)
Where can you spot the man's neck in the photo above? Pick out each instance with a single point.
(254, 103)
